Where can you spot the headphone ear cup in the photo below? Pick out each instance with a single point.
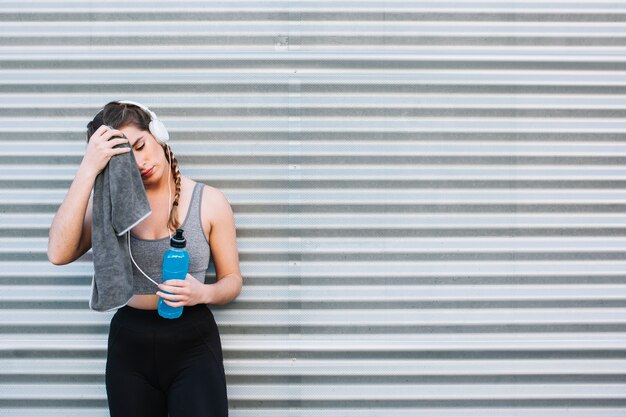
(158, 130)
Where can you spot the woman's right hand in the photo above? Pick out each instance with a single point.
(100, 149)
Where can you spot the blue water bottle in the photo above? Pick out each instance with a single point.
(175, 266)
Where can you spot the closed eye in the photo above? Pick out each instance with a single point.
(139, 141)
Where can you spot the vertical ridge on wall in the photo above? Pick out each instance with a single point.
(429, 198)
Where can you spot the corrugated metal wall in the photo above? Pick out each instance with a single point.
(430, 198)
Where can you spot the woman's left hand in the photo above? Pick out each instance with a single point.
(187, 292)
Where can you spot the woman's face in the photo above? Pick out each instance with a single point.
(148, 154)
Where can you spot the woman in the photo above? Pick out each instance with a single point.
(157, 366)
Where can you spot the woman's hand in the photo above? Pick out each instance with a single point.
(100, 149)
(187, 292)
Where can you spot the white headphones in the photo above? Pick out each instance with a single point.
(157, 128)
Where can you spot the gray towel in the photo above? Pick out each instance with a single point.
(119, 203)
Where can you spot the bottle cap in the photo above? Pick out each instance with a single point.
(178, 240)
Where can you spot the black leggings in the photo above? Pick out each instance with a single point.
(157, 366)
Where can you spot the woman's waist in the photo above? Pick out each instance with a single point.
(151, 302)
(144, 301)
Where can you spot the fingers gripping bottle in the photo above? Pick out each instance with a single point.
(175, 266)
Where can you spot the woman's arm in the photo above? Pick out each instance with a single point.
(223, 241)
(70, 232)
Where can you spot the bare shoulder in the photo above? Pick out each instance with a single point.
(214, 197)
(215, 206)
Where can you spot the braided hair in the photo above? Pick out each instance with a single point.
(173, 222)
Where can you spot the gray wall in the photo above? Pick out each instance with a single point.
(429, 196)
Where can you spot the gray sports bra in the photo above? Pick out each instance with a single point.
(148, 253)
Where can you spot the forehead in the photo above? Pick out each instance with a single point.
(132, 133)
